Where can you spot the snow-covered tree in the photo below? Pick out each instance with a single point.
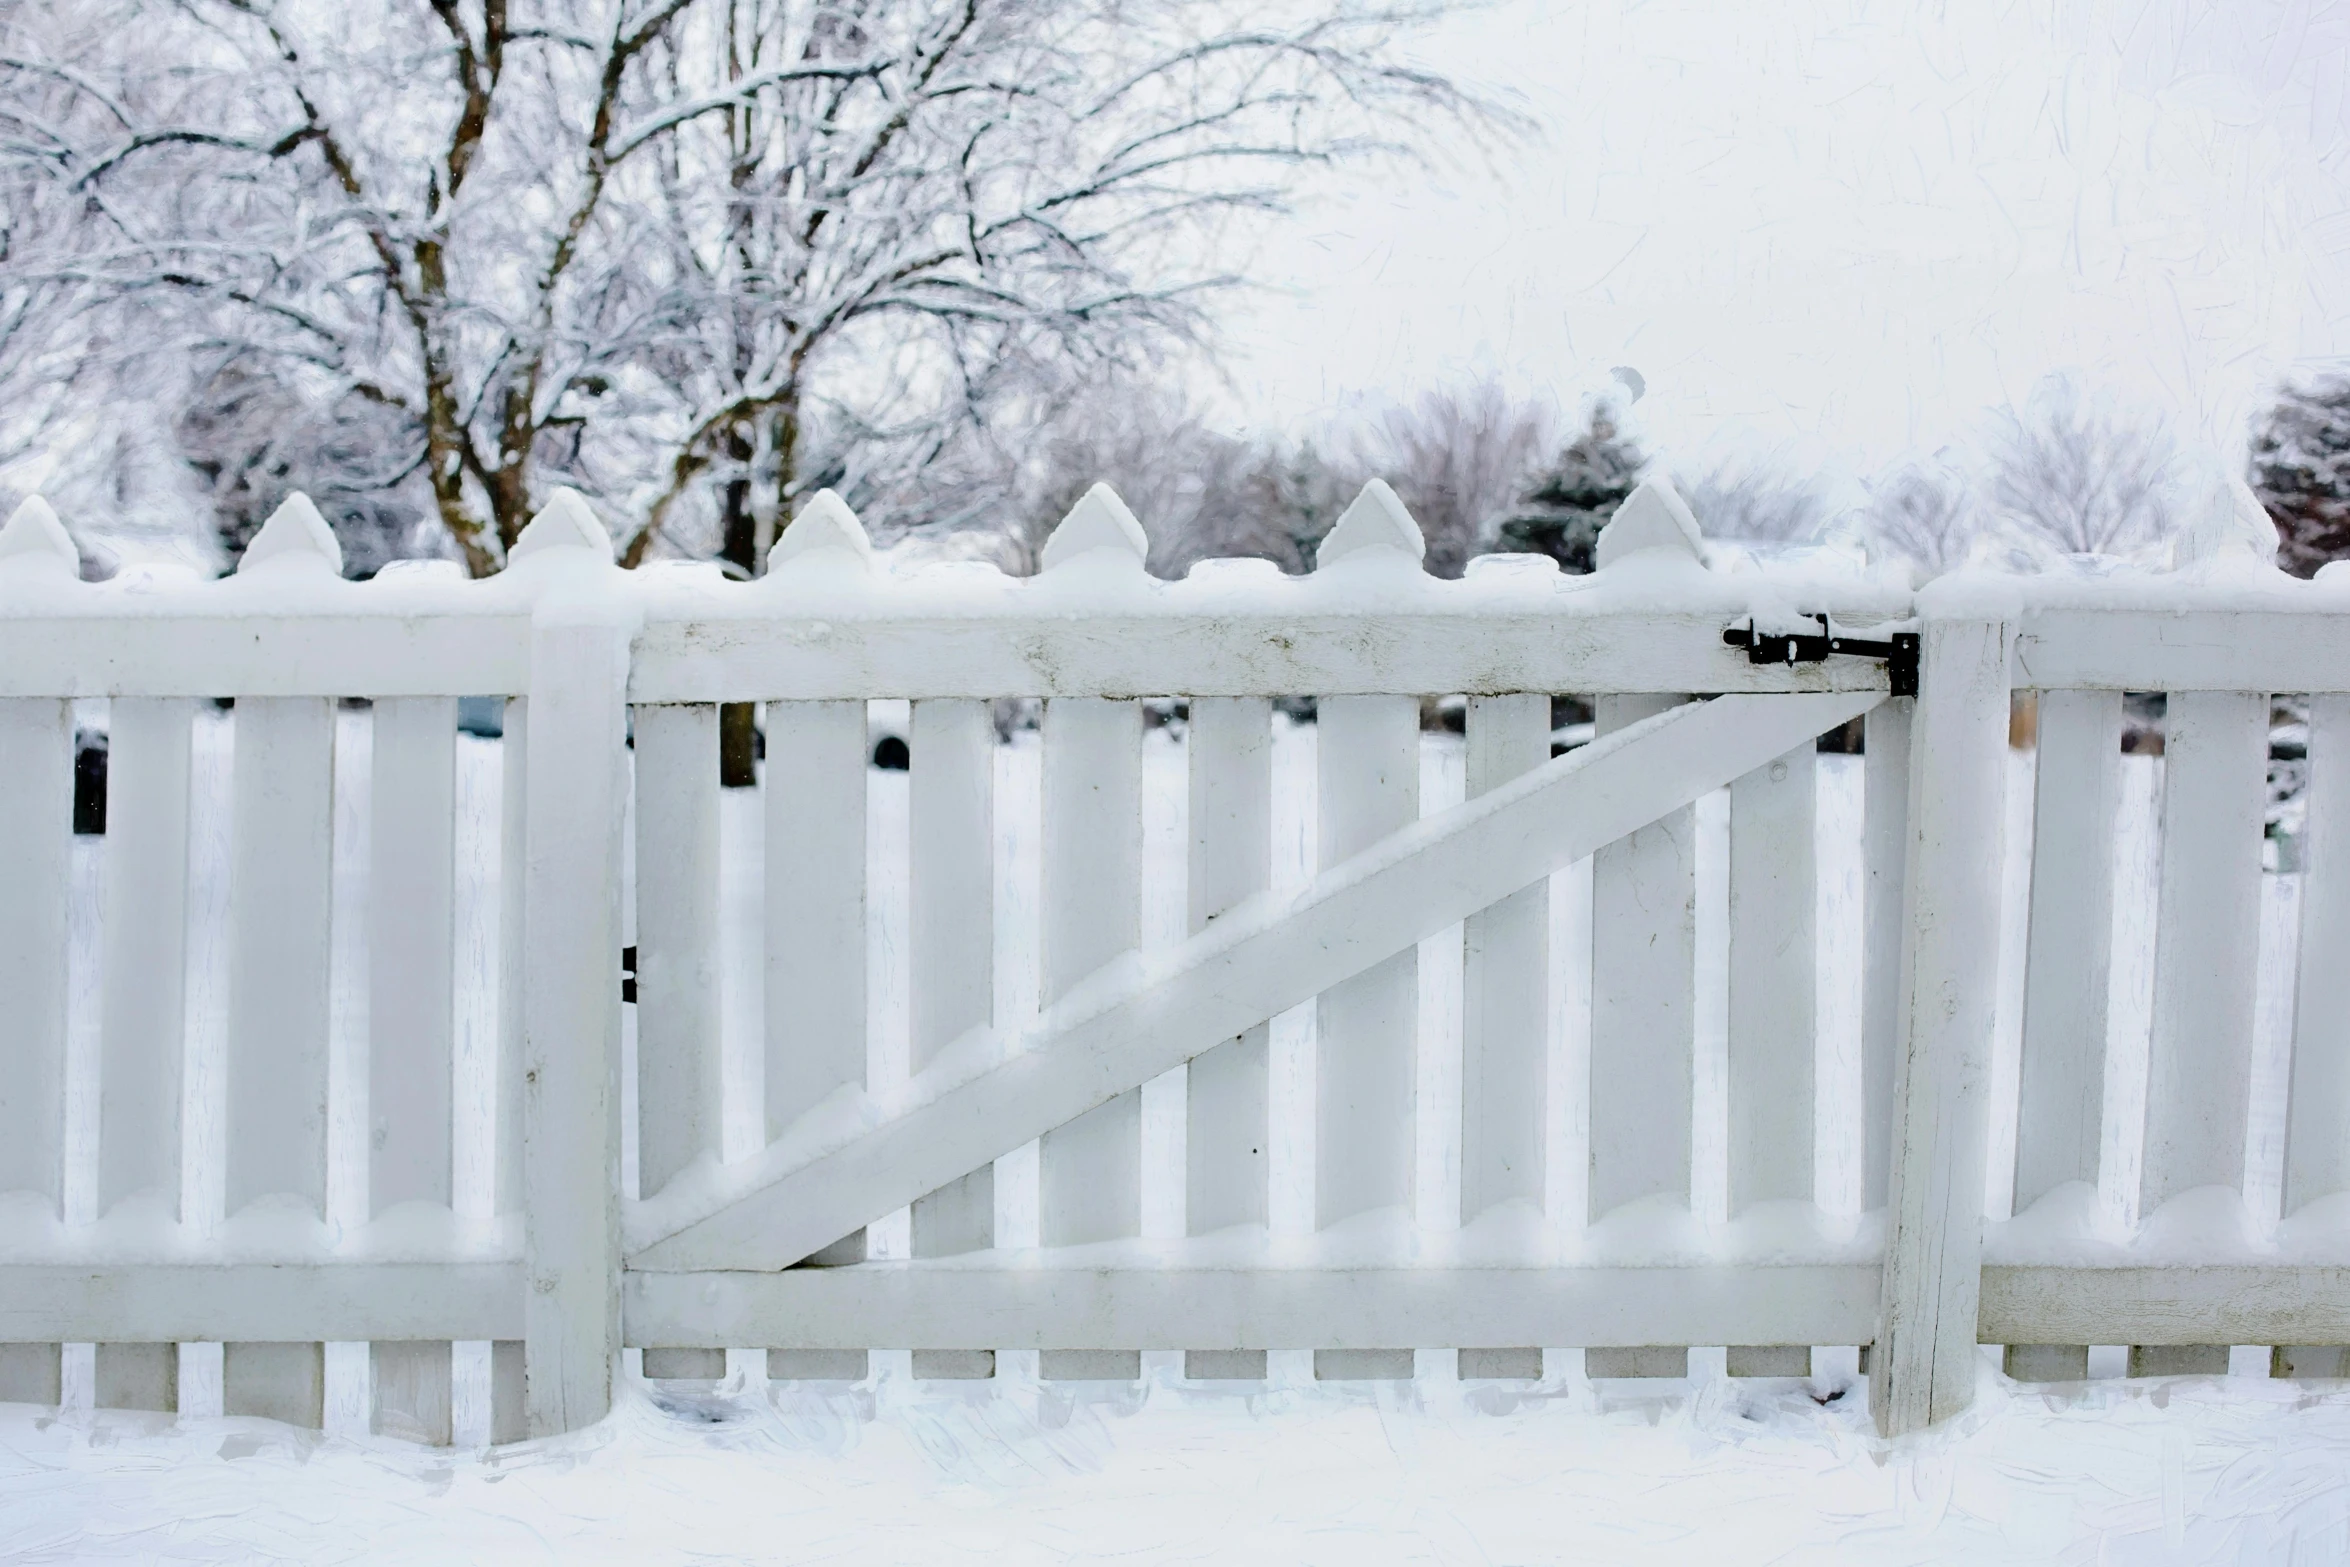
(2300, 469)
(692, 256)
(1570, 500)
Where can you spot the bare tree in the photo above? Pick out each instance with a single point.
(1199, 492)
(1925, 511)
(1756, 497)
(686, 254)
(1460, 459)
(2082, 473)
(47, 333)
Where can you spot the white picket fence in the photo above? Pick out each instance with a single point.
(1531, 1073)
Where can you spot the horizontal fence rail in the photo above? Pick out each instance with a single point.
(1043, 975)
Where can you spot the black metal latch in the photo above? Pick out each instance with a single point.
(1900, 652)
(628, 975)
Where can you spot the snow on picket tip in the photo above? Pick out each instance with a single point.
(34, 536)
(825, 527)
(1652, 517)
(565, 522)
(1099, 525)
(295, 532)
(1375, 521)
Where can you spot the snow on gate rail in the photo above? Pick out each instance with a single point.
(148, 1234)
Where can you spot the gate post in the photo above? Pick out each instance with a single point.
(575, 786)
(1922, 1368)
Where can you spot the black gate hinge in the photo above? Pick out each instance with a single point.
(628, 975)
(1899, 652)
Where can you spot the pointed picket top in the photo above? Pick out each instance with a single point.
(1375, 522)
(2231, 524)
(34, 536)
(1100, 521)
(1653, 517)
(566, 522)
(294, 532)
(825, 526)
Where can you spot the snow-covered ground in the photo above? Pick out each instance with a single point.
(2195, 1470)
(2217, 1470)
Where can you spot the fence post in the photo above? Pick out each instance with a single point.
(1923, 1365)
(575, 782)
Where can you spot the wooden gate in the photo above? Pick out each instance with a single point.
(768, 1250)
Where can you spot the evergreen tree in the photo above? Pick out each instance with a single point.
(2301, 471)
(1561, 513)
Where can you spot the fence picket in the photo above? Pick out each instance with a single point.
(412, 1015)
(2061, 1106)
(1228, 1089)
(1884, 920)
(142, 1005)
(281, 843)
(36, 827)
(1368, 785)
(509, 1421)
(1643, 1022)
(1773, 1001)
(2206, 963)
(2317, 1105)
(679, 1109)
(1090, 1185)
(1773, 980)
(2317, 1134)
(815, 890)
(1505, 1015)
(142, 1009)
(951, 827)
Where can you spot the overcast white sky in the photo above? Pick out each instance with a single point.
(1844, 226)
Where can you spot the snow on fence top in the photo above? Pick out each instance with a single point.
(1600, 1229)
(830, 620)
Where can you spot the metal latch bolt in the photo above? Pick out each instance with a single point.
(1899, 652)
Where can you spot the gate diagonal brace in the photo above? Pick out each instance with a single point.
(1143, 1014)
(1899, 651)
